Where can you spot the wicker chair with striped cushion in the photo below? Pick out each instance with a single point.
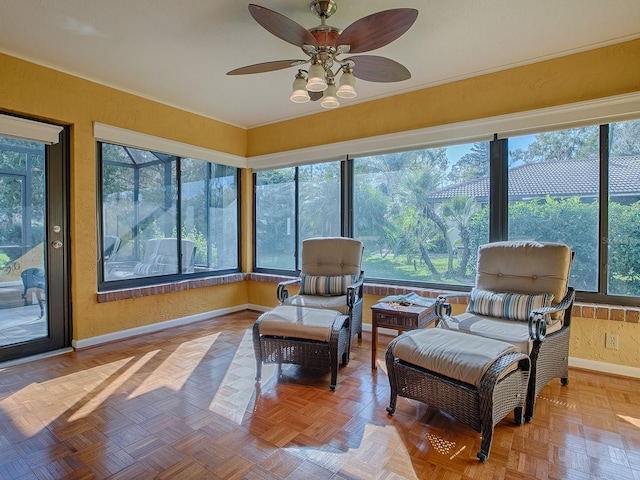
(522, 297)
(330, 278)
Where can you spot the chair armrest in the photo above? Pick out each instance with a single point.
(354, 291)
(282, 292)
(442, 308)
(539, 319)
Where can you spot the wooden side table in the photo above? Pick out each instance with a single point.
(398, 317)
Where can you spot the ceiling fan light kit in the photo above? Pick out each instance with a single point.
(324, 45)
(329, 96)
(300, 93)
(317, 78)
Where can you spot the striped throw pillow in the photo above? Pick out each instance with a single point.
(325, 286)
(511, 306)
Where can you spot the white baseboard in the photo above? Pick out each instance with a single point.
(603, 367)
(132, 332)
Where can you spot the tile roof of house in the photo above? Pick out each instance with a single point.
(563, 178)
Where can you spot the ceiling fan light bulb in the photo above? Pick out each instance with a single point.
(300, 94)
(329, 99)
(347, 86)
(316, 81)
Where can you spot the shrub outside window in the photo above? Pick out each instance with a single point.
(623, 237)
(554, 195)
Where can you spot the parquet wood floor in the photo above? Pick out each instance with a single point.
(183, 404)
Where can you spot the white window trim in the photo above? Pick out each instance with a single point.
(592, 112)
(143, 141)
(30, 130)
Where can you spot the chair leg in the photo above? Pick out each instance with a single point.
(485, 445)
(258, 369)
(517, 415)
(334, 376)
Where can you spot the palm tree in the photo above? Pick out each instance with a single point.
(459, 211)
(425, 180)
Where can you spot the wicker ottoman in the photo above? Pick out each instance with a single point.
(311, 337)
(476, 380)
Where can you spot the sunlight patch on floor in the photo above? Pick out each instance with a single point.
(239, 383)
(111, 388)
(69, 390)
(632, 420)
(366, 461)
(176, 369)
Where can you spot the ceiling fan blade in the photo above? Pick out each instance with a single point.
(266, 67)
(378, 69)
(377, 30)
(282, 27)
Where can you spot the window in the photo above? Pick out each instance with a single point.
(145, 197)
(422, 214)
(415, 216)
(275, 225)
(554, 195)
(623, 237)
(292, 204)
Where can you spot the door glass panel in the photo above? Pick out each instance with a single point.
(23, 290)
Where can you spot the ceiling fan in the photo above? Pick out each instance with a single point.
(324, 45)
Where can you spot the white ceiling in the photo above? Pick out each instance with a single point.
(178, 52)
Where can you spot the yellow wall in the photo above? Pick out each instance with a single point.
(47, 94)
(587, 341)
(594, 74)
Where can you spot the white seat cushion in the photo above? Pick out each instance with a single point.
(463, 357)
(288, 321)
(514, 332)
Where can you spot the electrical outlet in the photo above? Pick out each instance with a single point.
(611, 341)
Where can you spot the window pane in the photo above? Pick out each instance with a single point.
(139, 191)
(275, 219)
(553, 195)
(319, 200)
(209, 216)
(223, 218)
(422, 214)
(624, 209)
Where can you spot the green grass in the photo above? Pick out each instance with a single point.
(397, 268)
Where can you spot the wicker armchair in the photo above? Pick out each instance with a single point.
(330, 278)
(521, 297)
